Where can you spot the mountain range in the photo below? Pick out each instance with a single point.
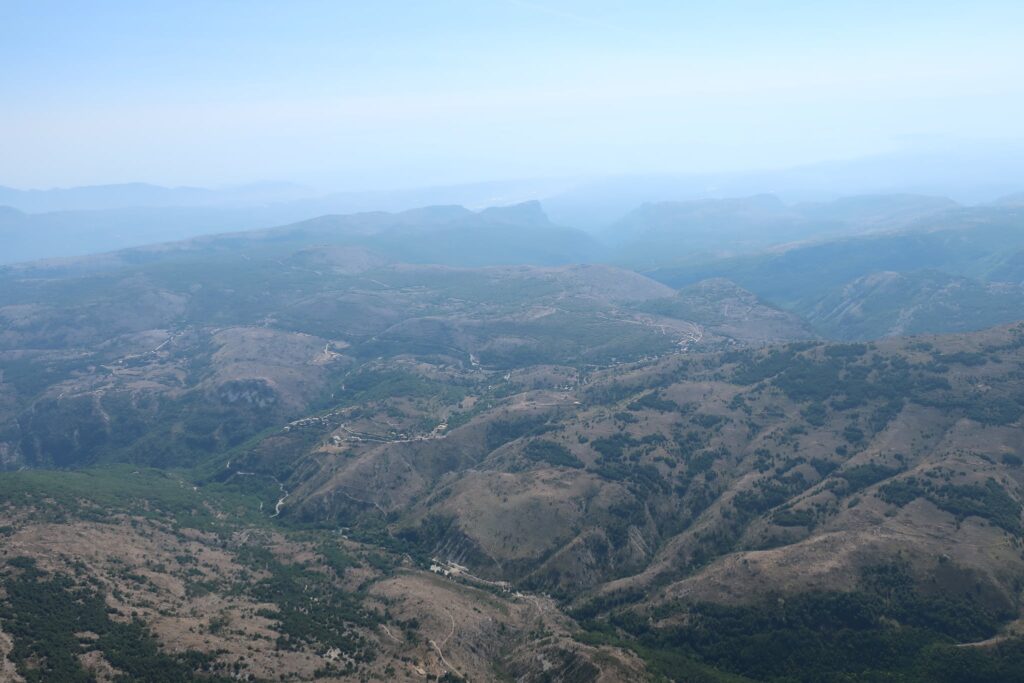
(753, 441)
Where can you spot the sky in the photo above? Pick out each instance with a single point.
(383, 94)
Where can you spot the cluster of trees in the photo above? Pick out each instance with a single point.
(885, 630)
(310, 607)
(989, 500)
(552, 453)
(43, 614)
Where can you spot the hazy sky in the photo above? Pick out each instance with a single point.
(381, 93)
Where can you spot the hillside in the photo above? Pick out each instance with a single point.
(892, 304)
(964, 242)
(668, 488)
(223, 368)
(287, 451)
(157, 580)
(663, 234)
(952, 270)
(1016, 199)
(729, 311)
(167, 355)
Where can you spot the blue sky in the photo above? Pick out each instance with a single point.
(357, 95)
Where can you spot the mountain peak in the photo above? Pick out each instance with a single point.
(524, 213)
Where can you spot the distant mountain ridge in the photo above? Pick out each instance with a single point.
(660, 233)
(445, 235)
(529, 234)
(1016, 199)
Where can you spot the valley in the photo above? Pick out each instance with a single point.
(523, 341)
(292, 455)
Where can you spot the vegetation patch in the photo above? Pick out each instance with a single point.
(552, 453)
(47, 616)
(311, 609)
(885, 630)
(988, 501)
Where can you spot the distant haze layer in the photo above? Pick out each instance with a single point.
(361, 96)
